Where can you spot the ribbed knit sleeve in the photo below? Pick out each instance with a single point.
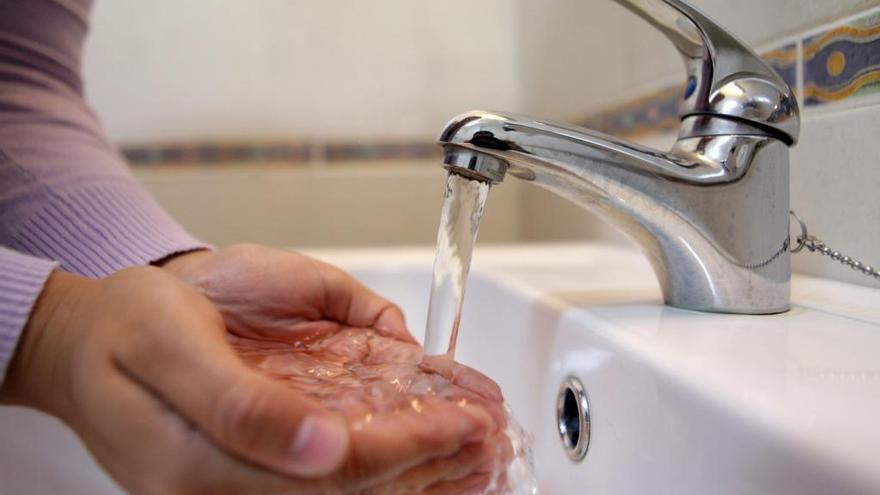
(68, 196)
(92, 227)
(21, 281)
(65, 192)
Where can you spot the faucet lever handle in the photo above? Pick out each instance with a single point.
(725, 77)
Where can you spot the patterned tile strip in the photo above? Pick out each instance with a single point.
(843, 61)
(294, 153)
(784, 61)
(658, 112)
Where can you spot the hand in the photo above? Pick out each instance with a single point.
(269, 294)
(139, 366)
(383, 388)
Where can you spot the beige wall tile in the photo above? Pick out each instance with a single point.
(265, 69)
(339, 205)
(835, 178)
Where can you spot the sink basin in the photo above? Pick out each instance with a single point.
(681, 402)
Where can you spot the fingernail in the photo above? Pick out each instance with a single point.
(478, 434)
(481, 427)
(319, 447)
(478, 487)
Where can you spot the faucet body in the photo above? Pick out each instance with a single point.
(711, 214)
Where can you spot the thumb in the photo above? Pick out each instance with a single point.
(261, 419)
(250, 415)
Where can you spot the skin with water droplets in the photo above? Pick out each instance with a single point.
(370, 378)
(359, 372)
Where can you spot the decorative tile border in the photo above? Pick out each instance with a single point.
(843, 61)
(287, 153)
(837, 62)
(339, 152)
(208, 153)
(784, 60)
(653, 113)
(657, 113)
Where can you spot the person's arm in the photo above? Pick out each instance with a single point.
(139, 365)
(65, 192)
(68, 198)
(21, 282)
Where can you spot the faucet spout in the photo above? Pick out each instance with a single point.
(711, 214)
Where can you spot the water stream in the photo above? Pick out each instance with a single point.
(460, 216)
(462, 209)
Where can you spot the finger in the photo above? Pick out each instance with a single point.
(464, 377)
(392, 323)
(149, 449)
(349, 302)
(251, 415)
(390, 444)
(474, 484)
(472, 459)
(112, 417)
(498, 486)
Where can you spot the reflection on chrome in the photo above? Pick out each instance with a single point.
(711, 214)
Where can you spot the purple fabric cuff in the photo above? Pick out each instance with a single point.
(20, 286)
(96, 227)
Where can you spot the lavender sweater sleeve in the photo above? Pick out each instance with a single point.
(21, 284)
(65, 192)
(66, 195)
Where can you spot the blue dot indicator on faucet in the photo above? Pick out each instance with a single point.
(691, 87)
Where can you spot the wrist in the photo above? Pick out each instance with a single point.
(185, 266)
(39, 365)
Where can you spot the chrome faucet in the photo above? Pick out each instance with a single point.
(712, 213)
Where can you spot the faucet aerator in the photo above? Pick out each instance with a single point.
(474, 164)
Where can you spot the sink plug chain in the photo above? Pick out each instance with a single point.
(814, 244)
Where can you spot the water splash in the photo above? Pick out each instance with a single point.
(463, 206)
(519, 477)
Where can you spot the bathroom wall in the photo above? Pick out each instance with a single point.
(298, 122)
(582, 56)
(167, 70)
(626, 82)
(345, 204)
(302, 123)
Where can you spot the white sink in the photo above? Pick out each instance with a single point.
(681, 402)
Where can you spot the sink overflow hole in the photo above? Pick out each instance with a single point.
(573, 418)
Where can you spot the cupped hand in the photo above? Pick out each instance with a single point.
(139, 365)
(386, 391)
(333, 339)
(270, 294)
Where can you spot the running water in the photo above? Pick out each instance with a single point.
(378, 381)
(460, 216)
(463, 206)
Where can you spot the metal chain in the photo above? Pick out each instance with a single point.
(813, 244)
